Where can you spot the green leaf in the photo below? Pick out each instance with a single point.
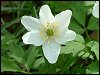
(17, 52)
(64, 62)
(19, 30)
(2, 21)
(38, 62)
(69, 62)
(57, 6)
(94, 47)
(75, 27)
(93, 23)
(6, 25)
(7, 39)
(78, 69)
(6, 33)
(2, 37)
(79, 12)
(32, 53)
(13, 9)
(50, 68)
(8, 65)
(30, 7)
(30, 49)
(72, 47)
(85, 55)
(93, 68)
(79, 38)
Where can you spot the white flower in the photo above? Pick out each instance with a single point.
(96, 9)
(48, 31)
(89, 3)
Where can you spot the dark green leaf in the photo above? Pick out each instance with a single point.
(14, 9)
(93, 24)
(51, 68)
(79, 12)
(64, 62)
(19, 31)
(32, 53)
(38, 62)
(8, 65)
(93, 68)
(94, 47)
(75, 27)
(17, 52)
(79, 38)
(72, 47)
(6, 25)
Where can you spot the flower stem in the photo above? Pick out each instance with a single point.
(87, 33)
(25, 72)
(35, 12)
(2, 21)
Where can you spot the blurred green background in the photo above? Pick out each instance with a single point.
(19, 58)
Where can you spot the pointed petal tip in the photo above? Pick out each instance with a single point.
(69, 11)
(51, 51)
(52, 62)
(96, 11)
(45, 5)
(46, 15)
(68, 36)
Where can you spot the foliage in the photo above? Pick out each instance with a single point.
(80, 56)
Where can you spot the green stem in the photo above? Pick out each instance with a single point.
(86, 23)
(25, 69)
(2, 21)
(18, 12)
(91, 47)
(25, 72)
(35, 12)
(22, 5)
(87, 33)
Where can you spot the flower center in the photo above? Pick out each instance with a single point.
(49, 32)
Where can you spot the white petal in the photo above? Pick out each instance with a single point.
(97, 2)
(51, 51)
(96, 10)
(33, 37)
(46, 15)
(88, 3)
(30, 23)
(68, 36)
(63, 18)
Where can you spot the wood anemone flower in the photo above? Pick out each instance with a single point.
(48, 31)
